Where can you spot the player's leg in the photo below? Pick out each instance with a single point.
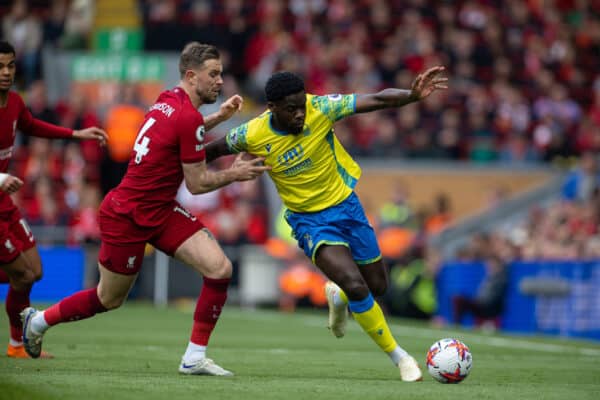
(189, 241)
(377, 277)
(23, 267)
(21, 275)
(339, 266)
(118, 267)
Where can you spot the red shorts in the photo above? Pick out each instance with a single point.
(124, 241)
(15, 236)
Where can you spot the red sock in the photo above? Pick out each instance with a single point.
(81, 305)
(15, 303)
(208, 308)
(3, 276)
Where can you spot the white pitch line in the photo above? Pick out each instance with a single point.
(502, 342)
(409, 331)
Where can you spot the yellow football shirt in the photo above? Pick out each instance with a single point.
(311, 170)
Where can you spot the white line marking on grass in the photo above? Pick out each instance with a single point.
(410, 331)
(499, 341)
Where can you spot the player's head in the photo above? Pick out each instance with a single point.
(7, 65)
(286, 98)
(201, 71)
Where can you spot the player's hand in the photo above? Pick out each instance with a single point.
(94, 133)
(428, 82)
(11, 184)
(230, 107)
(249, 169)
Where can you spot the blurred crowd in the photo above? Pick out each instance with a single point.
(524, 74)
(525, 87)
(566, 229)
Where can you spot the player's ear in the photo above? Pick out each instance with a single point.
(270, 105)
(190, 76)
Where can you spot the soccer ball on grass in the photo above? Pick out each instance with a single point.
(449, 361)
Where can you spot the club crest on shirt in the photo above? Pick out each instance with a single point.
(268, 148)
(9, 246)
(233, 138)
(200, 133)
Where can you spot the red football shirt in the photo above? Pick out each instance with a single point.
(172, 134)
(15, 116)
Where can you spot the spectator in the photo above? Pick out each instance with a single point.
(581, 182)
(123, 121)
(37, 101)
(24, 31)
(396, 211)
(78, 25)
(412, 291)
(54, 25)
(488, 304)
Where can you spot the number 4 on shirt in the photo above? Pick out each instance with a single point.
(141, 142)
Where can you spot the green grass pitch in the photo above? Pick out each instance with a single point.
(134, 352)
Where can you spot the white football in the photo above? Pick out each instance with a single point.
(449, 361)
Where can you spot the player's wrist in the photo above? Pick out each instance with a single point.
(221, 117)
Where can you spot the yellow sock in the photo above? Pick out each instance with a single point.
(343, 296)
(369, 316)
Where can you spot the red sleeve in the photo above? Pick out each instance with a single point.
(35, 127)
(190, 130)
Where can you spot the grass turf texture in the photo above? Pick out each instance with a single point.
(134, 352)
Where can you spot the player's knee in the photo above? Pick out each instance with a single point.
(111, 301)
(22, 279)
(37, 273)
(222, 270)
(355, 289)
(219, 270)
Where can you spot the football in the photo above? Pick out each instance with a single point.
(449, 361)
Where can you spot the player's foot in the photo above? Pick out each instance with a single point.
(409, 369)
(19, 352)
(31, 341)
(338, 314)
(205, 366)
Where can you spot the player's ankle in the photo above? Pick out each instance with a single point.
(39, 324)
(194, 352)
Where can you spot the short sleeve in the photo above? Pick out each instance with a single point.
(335, 106)
(190, 129)
(237, 139)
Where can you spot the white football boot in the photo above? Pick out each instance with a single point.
(31, 341)
(204, 366)
(338, 314)
(409, 369)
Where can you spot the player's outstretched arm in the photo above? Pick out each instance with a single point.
(226, 111)
(199, 179)
(9, 184)
(36, 127)
(217, 148)
(423, 85)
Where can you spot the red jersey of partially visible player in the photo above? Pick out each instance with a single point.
(15, 116)
(172, 134)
